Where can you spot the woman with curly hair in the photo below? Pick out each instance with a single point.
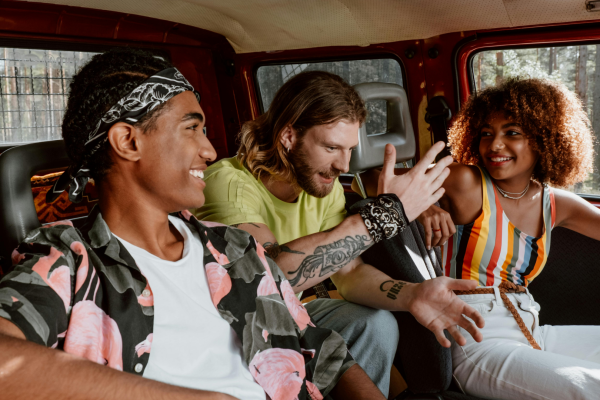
(514, 144)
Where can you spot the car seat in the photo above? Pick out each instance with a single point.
(425, 365)
(18, 214)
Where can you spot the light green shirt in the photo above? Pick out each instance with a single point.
(234, 196)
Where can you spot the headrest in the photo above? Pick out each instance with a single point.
(18, 215)
(371, 145)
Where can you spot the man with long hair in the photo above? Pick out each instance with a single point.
(282, 188)
(144, 290)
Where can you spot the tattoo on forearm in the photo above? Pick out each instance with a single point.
(245, 223)
(392, 288)
(275, 249)
(330, 258)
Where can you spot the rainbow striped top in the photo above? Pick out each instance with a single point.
(491, 249)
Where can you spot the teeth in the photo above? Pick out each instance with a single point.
(197, 173)
(500, 159)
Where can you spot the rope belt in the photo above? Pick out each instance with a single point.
(507, 287)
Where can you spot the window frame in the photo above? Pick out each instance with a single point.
(525, 38)
(309, 60)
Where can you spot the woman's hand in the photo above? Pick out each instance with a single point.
(438, 226)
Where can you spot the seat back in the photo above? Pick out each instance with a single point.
(567, 287)
(371, 146)
(18, 215)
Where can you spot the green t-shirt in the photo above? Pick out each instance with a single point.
(234, 196)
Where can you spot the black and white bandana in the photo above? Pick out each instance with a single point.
(156, 90)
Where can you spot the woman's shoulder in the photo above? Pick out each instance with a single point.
(462, 178)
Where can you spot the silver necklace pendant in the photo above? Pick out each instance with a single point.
(519, 194)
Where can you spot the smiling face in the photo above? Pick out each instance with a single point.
(174, 155)
(505, 151)
(322, 154)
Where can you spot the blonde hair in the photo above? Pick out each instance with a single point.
(308, 99)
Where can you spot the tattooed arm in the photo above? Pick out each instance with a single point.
(433, 302)
(311, 259)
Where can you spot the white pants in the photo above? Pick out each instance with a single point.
(505, 366)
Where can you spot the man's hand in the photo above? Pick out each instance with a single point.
(438, 226)
(419, 188)
(436, 307)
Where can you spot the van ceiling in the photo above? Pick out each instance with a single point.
(268, 25)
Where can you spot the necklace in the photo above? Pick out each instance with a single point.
(518, 195)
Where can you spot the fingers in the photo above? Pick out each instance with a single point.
(437, 195)
(471, 328)
(474, 315)
(437, 231)
(445, 232)
(456, 335)
(389, 160)
(440, 166)
(428, 235)
(429, 157)
(451, 227)
(441, 338)
(387, 172)
(440, 178)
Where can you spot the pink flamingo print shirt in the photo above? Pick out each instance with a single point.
(81, 291)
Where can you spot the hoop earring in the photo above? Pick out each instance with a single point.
(288, 149)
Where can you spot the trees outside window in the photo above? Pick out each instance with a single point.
(34, 86)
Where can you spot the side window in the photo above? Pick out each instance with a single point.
(272, 77)
(34, 85)
(577, 67)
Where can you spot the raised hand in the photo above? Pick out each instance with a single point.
(436, 307)
(438, 226)
(419, 188)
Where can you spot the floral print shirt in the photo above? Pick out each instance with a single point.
(81, 292)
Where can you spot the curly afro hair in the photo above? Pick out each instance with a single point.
(552, 118)
(99, 85)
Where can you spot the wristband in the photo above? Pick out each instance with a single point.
(384, 217)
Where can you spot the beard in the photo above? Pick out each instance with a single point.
(306, 175)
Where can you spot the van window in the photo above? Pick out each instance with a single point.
(34, 85)
(271, 77)
(578, 67)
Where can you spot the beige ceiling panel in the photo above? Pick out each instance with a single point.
(263, 25)
(393, 20)
(534, 12)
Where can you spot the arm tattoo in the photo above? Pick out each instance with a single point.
(248, 223)
(393, 289)
(330, 258)
(275, 249)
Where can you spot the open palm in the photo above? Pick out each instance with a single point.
(436, 307)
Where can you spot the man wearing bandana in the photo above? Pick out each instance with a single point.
(144, 287)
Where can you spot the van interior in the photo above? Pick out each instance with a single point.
(237, 53)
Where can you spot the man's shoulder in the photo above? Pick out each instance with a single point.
(228, 167)
(228, 181)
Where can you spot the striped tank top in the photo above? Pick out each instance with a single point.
(491, 249)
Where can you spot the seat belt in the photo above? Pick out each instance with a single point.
(438, 115)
